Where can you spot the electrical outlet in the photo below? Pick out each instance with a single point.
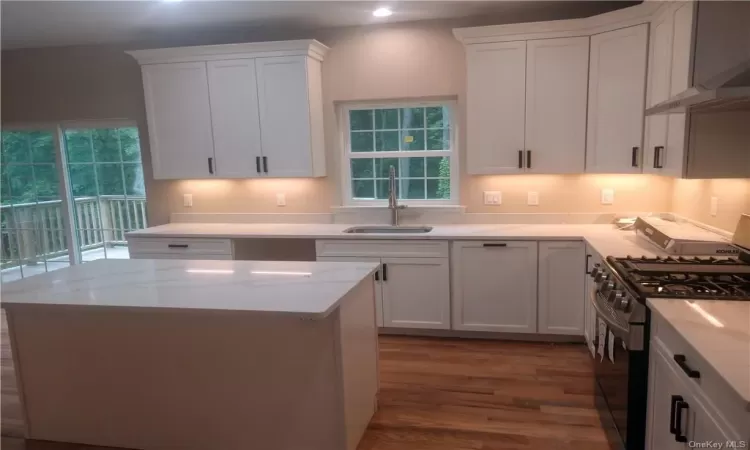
(608, 196)
(533, 198)
(714, 208)
(187, 200)
(281, 199)
(493, 197)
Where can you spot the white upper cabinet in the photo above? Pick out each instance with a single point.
(660, 69)
(617, 85)
(556, 86)
(285, 116)
(235, 111)
(580, 85)
(179, 119)
(562, 267)
(234, 116)
(670, 74)
(496, 91)
(527, 106)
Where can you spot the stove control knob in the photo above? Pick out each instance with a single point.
(624, 304)
(601, 276)
(595, 271)
(615, 297)
(607, 286)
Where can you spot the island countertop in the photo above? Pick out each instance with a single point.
(308, 289)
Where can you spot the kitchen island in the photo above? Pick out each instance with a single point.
(197, 354)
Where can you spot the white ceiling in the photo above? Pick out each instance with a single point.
(29, 23)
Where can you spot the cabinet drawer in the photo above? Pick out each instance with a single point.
(186, 256)
(178, 246)
(381, 248)
(710, 385)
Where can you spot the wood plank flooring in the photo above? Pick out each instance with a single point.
(445, 394)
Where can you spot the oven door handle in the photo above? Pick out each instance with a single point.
(633, 337)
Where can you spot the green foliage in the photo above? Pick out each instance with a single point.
(444, 184)
(399, 130)
(28, 171)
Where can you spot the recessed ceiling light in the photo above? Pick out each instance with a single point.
(382, 12)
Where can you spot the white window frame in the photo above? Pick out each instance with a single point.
(347, 155)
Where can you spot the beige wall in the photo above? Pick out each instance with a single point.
(692, 198)
(404, 61)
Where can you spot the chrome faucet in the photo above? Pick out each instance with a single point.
(393, 197)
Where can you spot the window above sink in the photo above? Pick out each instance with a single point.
(417, 138)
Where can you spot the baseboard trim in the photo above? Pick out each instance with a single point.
(549, 338)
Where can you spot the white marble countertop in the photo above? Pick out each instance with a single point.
(308, 289)
(607, 240)
(719, 331)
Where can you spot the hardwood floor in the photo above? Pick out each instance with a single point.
(446, 394)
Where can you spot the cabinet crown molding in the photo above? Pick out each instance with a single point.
(586, 26)
(303, 47)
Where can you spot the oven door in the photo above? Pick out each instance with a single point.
(621, 396)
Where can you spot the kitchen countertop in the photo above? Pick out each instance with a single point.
(307, 289)
(605, 239)
(725, 344)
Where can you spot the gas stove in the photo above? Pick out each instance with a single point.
(695, 278)
(624, 284)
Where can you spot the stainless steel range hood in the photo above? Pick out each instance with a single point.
(728, 91)
(720, 61)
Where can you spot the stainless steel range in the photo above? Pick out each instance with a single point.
(622, 286)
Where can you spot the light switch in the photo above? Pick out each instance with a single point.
(493, 197)
(533, 199)
(714, 208)
(608, 196)
(280, 199)
(187, 200)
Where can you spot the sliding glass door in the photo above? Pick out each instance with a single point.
(72, 186)
(106, 188)
(33, 230)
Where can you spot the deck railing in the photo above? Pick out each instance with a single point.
(32, 231)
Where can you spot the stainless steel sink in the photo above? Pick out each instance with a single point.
(388, 229)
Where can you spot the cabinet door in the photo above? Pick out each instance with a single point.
(496, 88)
(682, 44)
(234, 114)
(556, 100)
(617, 85)
(285, 116)
(495, 286)
(663, 384)
(710, 427)
(561, 287)
(378, 281)
(179, 119)
(659, 77)
(673, 158)
(416, 293)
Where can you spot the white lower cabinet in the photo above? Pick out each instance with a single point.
(561, 288)
(664, 388)
(677, 414)
(416, 293)
(378, 281)
(412, 288)
(494, 286)
(180, 248)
